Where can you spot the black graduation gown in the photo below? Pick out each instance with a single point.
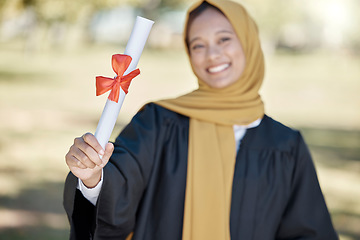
(276, 194)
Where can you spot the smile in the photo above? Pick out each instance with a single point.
(219, 68)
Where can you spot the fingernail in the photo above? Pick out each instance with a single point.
(101, 152)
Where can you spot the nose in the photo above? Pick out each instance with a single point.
(213, 52)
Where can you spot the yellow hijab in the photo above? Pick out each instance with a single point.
(212, 113)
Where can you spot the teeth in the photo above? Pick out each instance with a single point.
(218, 68)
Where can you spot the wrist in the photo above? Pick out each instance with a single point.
(93, 181)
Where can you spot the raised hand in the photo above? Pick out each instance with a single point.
(86, 158)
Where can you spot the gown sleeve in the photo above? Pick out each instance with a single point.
(125, 179)
(306, 215)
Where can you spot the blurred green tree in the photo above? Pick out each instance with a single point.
(73, 10)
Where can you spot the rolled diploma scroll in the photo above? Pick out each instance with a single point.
(134, 48)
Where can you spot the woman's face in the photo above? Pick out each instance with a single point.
(216, 54)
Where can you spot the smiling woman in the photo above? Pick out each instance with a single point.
(207, 165)
(215, 51)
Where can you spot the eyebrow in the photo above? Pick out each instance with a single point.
(218, 32)
(194, 39)
(225, 31)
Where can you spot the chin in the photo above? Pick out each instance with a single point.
(218, 85)
(221, 83)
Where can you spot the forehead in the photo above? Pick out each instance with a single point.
(209, 21)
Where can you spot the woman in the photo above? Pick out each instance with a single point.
(207, 165)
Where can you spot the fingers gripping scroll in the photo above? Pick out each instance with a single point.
(86, 158)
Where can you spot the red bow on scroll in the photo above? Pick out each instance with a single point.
(120, 63)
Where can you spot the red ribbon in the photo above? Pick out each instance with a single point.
(120, 63)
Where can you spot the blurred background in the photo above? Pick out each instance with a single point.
(51, 51)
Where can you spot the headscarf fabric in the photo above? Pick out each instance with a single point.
(212, 113)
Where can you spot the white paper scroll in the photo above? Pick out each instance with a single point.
(134, 49)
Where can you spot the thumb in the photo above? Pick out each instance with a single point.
(109, 148)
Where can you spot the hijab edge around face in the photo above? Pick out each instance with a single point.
(203, 103)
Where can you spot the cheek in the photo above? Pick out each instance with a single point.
(239, 57)
(195, 61)
(240, 67)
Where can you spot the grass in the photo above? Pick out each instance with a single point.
(48, 98)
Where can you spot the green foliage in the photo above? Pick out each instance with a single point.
(71, 10)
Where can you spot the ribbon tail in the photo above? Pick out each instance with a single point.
(126, 80)
(114, 94)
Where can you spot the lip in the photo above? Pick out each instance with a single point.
(218, 68)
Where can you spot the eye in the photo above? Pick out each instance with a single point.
(224, 39)
(197, 46)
